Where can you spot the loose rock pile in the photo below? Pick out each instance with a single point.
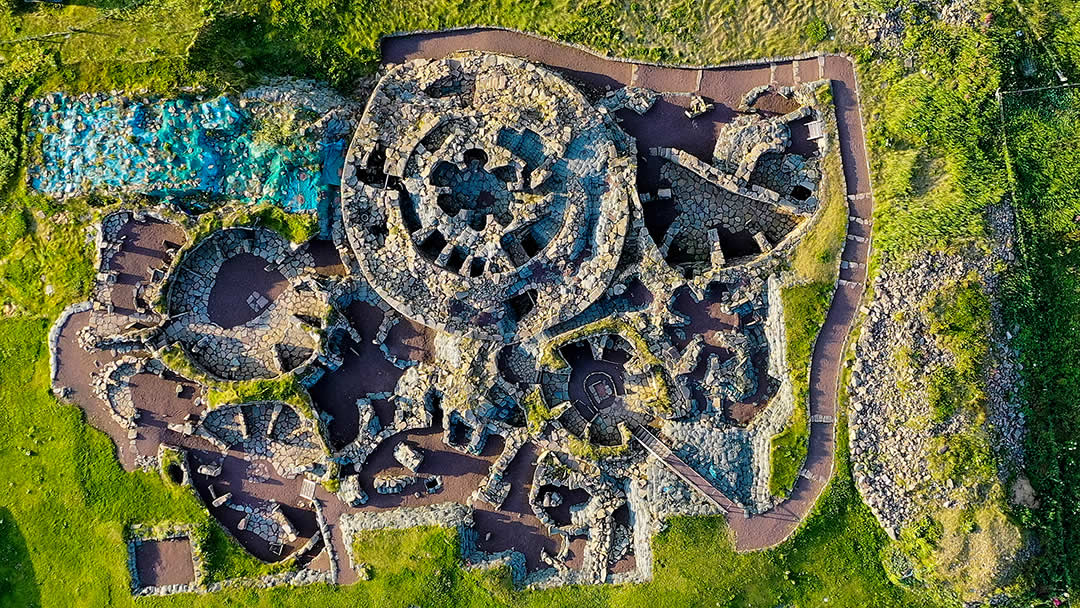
(892, 429)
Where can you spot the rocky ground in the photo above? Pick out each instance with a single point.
(901, 447)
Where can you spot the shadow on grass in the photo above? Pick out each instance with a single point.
(18, 585)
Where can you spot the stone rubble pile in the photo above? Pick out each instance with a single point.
(892, 428)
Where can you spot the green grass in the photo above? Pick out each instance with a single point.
(932, 130)
(959, 315)
(932, 137)
(421, 566)
(17, 584)
(295, 227)
(44, 254)
(337, 39)
(1043, 131)
(947, 391)
(537, 412)
(70, 501)
(805, 307)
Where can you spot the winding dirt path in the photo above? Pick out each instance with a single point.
(665, 126)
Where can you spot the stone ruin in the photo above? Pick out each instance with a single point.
(499, 178)
(279, 336)
(491, 208)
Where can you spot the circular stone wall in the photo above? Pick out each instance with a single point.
(238, 306)
(485, 196)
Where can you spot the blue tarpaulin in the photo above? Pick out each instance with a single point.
(175, 148)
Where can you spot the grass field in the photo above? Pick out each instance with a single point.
(67, 503)
(933, 136)
(1043, 134)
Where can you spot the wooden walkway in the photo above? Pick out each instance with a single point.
(686, 472)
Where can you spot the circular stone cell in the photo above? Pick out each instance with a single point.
(238, 305)
(486, 196)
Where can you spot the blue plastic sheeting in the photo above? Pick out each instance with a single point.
(179, 149)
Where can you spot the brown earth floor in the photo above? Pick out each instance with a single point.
(514, 525)
(327, 260)
(142, 251)
(561, 514)
(238, 278)
(74, 371)
(364, 370)
(461, 472)
(253, 483)
(164, 562)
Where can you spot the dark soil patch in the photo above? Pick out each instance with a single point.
(239, 278)
(461, 473)
(775, 104)
(411, 341)
(164, 562)
(585, 371)
(159, 405)
(143, 250)
(665, 125)
(174, 473)
(365, 370)
(253, 483)
(570, 498)
(801, 143)
(706, 319)
(637, 294)
(327, 259)
(575, 555)
(515, 526)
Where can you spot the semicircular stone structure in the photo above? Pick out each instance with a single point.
(485, 196)
(242, 307)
